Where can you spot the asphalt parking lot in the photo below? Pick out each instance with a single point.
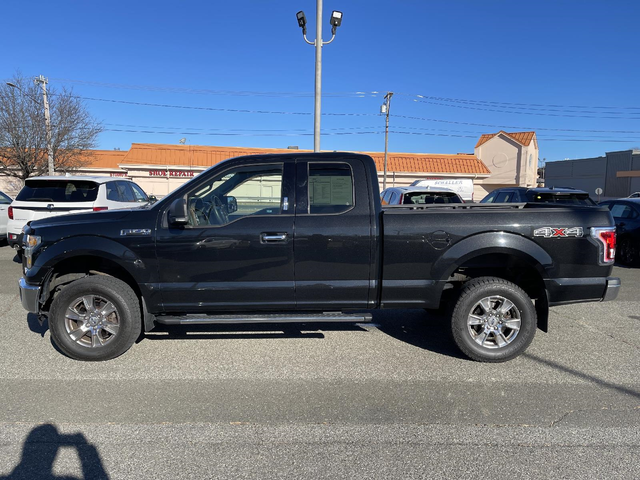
(393, 399)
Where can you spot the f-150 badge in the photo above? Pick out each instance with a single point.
(551, 232)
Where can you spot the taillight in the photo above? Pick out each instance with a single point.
(10, 212)
(606, 236)
(100, 209)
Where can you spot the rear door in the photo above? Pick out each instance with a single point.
(333, 235)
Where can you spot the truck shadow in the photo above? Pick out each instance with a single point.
(40, 449)
(427, 330)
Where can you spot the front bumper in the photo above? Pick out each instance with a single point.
(29, 296)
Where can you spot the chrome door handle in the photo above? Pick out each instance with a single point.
(273, 237)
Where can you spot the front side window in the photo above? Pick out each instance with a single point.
(125, 192)
(503, 197)
(330, 188)
(489, 198)
(138, 193)
(236, 193)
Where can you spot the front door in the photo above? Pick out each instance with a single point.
(236, 253)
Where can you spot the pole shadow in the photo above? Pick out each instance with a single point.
(39, 452)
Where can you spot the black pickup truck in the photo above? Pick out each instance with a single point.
(303, 238)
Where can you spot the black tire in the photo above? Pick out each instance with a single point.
(106, 343)
(500, 342)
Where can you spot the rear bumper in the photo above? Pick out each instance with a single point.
(29, 296)
(575, 290)
(14, 239)
(612, 290)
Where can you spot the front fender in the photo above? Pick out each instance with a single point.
(91, 246)
(488, 243)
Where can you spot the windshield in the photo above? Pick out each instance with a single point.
(58, 191)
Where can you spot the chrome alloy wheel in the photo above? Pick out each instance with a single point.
(494, 322)
(91, 321)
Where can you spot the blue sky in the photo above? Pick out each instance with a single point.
(549, 66)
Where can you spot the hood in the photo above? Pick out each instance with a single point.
(95, 218)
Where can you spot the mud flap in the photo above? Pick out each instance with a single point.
(542, 311)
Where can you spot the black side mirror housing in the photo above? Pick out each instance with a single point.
(178, 212)
(152, 199)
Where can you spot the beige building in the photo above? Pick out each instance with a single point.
(512, 159)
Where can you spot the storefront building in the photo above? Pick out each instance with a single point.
(159, 169)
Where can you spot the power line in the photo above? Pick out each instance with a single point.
(356, 94)
(515, 104)
(544, 114)
(232, 134)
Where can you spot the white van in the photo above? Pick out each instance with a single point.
(462, 186)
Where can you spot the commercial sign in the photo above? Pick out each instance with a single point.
(171, 173)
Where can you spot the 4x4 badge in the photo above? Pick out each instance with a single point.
(552, 232)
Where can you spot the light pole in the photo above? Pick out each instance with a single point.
(336, 20)
(47, 119)
(384, 109)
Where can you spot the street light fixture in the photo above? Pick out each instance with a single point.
(336, 21)
(302, 21)
(47, 119)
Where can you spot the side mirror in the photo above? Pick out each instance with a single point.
(152, 198)
(178, 212)
(232, 204)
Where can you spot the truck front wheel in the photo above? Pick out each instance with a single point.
(494, 320)
(95, 318)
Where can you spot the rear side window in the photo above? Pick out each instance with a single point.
(58, 191)
(330, 188)
(622, 211)
(4, 199)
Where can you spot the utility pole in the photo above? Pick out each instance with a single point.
(336, 20)
(47, 120)
(384, 109)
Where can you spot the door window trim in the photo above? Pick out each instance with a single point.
(353, 190)
(291, 208)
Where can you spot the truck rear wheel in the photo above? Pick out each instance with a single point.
(95, 318)
(494, 320)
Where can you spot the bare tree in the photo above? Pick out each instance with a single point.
(23, 140)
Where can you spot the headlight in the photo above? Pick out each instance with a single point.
(30, 242)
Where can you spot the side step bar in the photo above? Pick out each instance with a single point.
(264, 318)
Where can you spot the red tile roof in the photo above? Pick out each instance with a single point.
(205, 156)
(523, 138)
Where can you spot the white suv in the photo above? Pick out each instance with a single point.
(43, 197)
